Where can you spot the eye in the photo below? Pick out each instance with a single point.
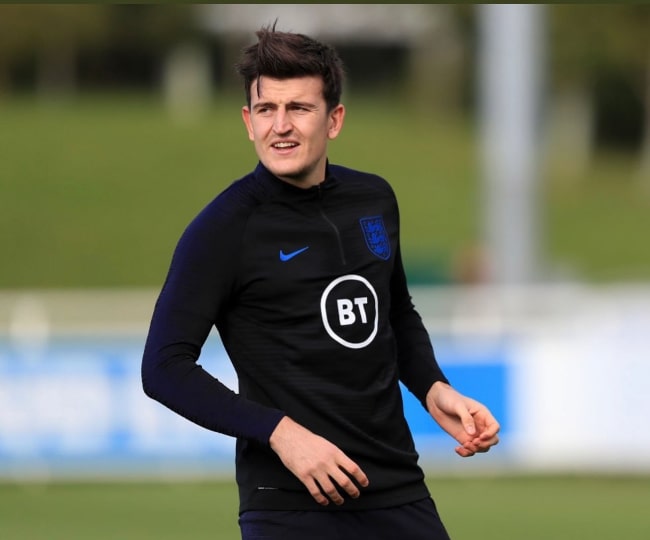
(263, 110)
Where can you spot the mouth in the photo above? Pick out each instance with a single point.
(284, 145)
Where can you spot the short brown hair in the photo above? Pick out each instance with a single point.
(285, 55)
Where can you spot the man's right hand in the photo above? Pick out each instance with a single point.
(317, 463)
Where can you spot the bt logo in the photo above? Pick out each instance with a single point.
(346, 310)
(349, 308)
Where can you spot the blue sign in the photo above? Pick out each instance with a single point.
(76, 405)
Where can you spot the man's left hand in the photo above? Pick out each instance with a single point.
(465, 419)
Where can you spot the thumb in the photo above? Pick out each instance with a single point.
(466, 419)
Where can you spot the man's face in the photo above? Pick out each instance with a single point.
(290, 125)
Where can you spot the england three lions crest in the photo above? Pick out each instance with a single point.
(376, 236)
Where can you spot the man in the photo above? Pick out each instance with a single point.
(298, 266)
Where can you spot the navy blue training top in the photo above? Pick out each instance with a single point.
(308, 293)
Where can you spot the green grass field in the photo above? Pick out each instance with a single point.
(96, 190)
(494, 508)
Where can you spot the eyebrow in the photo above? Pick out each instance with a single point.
(291, 104)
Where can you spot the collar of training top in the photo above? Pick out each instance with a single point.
(263, 174)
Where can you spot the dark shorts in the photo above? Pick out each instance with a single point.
(415, 521)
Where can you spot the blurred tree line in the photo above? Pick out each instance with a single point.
(57, 48)
(601, 53)
(598, 58)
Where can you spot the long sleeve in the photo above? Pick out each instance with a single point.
(196, 291)
(418, 367)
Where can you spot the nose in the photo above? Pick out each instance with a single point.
(281, 122)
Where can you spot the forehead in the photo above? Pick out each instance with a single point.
(309, 88)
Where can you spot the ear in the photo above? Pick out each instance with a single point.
(246, 117)
(335, 121)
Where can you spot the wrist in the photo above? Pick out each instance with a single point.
(278, 431)
(435, 388)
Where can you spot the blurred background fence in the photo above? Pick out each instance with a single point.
(119, 122)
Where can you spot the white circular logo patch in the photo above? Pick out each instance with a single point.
(350, 310)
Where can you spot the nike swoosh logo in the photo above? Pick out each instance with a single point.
(284, 257)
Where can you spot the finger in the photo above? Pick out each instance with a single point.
(329, 489)
(486, 444)
(466, 419)
(478, 445)
(490, 431)
(354, 471)
(315, 491)
(482, 449)
(470, 448)
(486, 423)
(346, 483)
(464, 452)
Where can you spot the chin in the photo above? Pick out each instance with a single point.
(290, 173)
(287, 173)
